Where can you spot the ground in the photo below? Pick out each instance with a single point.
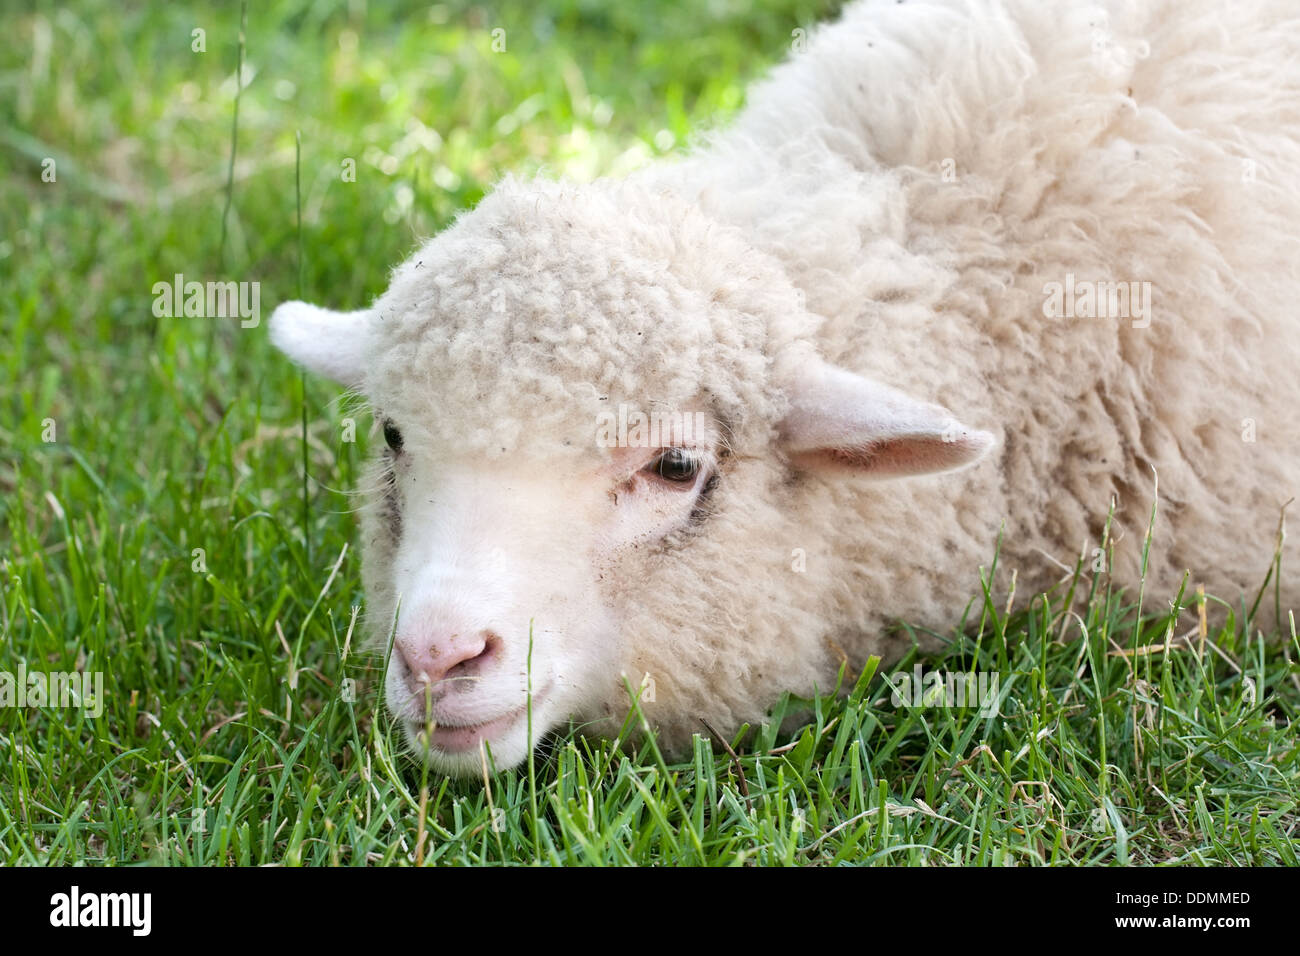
(156, 527)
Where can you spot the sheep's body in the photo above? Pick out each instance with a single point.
(897, 197)
(922, 171)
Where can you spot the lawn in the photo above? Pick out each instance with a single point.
(176, 516)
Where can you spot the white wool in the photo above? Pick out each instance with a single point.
(888, 265)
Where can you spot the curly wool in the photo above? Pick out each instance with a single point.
(512, 330)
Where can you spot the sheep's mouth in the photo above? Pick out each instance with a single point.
(452, 736)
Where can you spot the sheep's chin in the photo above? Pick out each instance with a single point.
(458, 751)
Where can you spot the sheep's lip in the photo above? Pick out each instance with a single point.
(468, 737)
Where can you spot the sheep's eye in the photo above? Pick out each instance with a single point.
(392, 436)
(678, 465)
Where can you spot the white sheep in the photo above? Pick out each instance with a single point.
(1074, 225)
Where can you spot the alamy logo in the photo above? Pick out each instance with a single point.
(947, 689)
(632, 428)
(1086, 299)
(76, 908)
(211, 300)
(55, 689)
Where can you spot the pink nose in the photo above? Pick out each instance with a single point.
(444, 655)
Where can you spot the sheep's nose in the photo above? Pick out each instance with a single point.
(446, 655)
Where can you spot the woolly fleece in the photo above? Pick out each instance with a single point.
(898, 197)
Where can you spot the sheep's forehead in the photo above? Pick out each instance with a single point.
(535, 316)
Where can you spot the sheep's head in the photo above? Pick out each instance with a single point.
(584, 393)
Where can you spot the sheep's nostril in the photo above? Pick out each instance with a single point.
(473, 666)
(447, 657)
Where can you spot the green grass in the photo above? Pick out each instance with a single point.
(227, 735)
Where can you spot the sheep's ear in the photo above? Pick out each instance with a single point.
(333, 344)
(843, 422)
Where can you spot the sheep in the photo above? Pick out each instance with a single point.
(961, 271)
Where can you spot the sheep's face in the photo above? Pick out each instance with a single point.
(500, 571)
(567, 381)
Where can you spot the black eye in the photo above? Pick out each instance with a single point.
(676, 464)
(392, 436)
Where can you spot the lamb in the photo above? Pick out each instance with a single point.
(960, 269)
